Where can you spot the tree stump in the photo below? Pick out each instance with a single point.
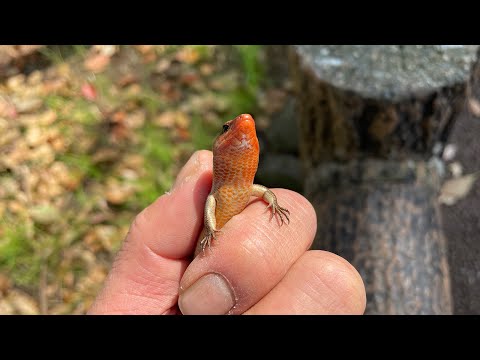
(373, 121)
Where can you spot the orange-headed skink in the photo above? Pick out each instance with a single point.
(235, 162)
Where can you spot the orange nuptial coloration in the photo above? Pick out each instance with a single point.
(235, 162)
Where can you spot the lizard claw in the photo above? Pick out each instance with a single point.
(208, 239)
(277, 209)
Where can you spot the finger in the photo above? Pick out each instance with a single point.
(146, 273)
(318, 283)
(248, 258)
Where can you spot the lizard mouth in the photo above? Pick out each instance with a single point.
(240, 134)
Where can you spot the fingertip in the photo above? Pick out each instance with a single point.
(336, 274)
(200, 162)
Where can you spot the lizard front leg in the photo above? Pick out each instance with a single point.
(268, 195)
(210, 222)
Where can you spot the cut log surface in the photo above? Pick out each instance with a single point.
(373, 122)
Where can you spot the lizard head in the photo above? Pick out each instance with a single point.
(238, 135)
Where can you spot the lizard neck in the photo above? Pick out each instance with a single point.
(235, 168)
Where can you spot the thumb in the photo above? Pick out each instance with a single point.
(145, 275)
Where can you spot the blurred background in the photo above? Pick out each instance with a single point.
(91, 135)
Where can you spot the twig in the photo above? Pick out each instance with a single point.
(42, 290)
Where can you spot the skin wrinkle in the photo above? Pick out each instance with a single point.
(334, 276)
(167, 286)
(263, 247)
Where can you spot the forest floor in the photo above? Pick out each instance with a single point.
(89, 136)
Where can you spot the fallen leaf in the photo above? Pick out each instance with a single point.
(25, 105)
(449, 152)
(118, 193)
(44, 214)
(206, 69)
(133, 161)
(5, 284)
(474, 106)
(88, 91)
(7, 109)
(118, 116)
(456, 169)
(135, 119)
(54, 85)
(189, 78)
(23, 303)
(183, 134)
(456, 189)
(107, 50)
(126, 80)
(105, 155)
(34, 136)
(165, 119)
(35, 78)
(16, 83)
(162, 65)
(96, 63)
(6, 308)
(16, 207)
(47, 118)
(144, 49)
(182, 121)
(42, 155)
(188, 55)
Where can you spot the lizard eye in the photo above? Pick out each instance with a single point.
(225, 128)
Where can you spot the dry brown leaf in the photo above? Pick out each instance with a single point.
(34, 136)
(188, 55)
(456, 189)
(134, 162)
(23, 303)
(126, 80)
(25, 105)
(96, 63)
(144, 49)
(165, 119)
(107, 50)
(16, 207)
(456, 169)
(6, 308)
(35, 78)
(44, 214)
(206, 69)
(47, 118)
(182, 121)
(54, 86)
(189, 78)
(105, 155)
(5, 284)
(449, 152)
(162, 65)
(7, 109)
(474, 106)
(117, 193)
(42, 155)
(135, 119)
(16, 83)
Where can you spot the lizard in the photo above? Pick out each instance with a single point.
(235, 161)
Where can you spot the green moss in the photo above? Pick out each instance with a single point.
(17, 255)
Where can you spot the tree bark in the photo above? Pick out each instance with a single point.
(371, 159)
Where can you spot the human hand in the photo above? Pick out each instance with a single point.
(253, 267)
